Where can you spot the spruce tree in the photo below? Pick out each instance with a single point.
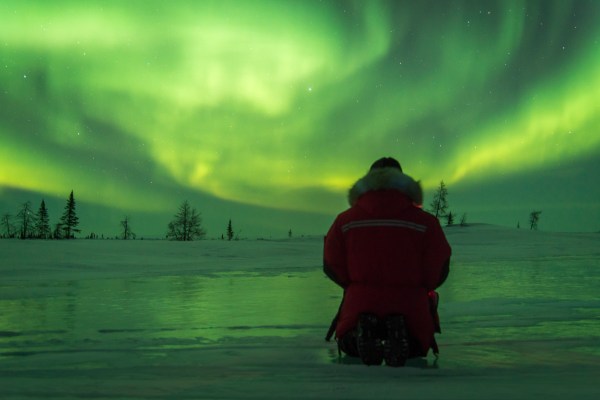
(69, 220)
(439, 204)
(58, 231)
(229, 231)
(450, 219)
(42, 225)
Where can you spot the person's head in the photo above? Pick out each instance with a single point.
(386, 162)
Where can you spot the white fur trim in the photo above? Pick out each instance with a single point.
(386, 178)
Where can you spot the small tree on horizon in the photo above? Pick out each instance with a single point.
(534, 218)
(8, 226)
(42, 225)
(463, 220)
(69, 219)
(439, 204)
(58, 231)
(27, 221)
(187, 224)
(126, 233)
(229, 231)
(450, 219)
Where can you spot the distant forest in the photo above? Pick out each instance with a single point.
(30, 224)
(185, 226)
(27, 224)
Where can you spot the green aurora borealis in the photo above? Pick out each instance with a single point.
(257, 108)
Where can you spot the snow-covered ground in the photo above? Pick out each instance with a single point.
(212, 319)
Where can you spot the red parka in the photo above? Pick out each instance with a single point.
(387, 254)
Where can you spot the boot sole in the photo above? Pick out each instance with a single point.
(396, 347)
(370, 346)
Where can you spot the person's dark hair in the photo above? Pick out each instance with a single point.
(386, 162)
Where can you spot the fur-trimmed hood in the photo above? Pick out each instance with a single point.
(386, 178)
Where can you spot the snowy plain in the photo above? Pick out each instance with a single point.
(520, 317)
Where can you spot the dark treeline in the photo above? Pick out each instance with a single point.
(185, 226)
(30, 224)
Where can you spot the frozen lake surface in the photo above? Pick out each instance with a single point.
(211, 319)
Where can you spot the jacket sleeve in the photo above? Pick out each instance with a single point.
(334, 256)
(436, 257)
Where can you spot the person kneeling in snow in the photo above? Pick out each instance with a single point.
(389, 256)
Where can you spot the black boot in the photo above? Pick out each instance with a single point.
(396, 348)
(370, 346)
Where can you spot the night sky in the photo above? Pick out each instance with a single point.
(266, 112)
